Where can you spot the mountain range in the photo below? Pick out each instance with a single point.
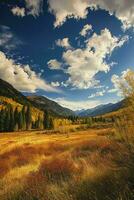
(43, 103)
(101, 109)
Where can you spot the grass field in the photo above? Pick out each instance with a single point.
(79, 165)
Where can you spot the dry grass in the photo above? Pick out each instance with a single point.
(78, 166)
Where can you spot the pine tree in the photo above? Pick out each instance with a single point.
(46, 120)
(20, 120)
(28, 118)
(12, 123)
(16, 116)
(0, 122)
(2, 119)
(7, 120)
(33, 125)
(24, 118)
(38, 123)
(51, 124)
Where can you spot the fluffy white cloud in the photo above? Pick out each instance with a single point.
(20, 12)
(77, 105)
(63, 43)
(84, 64)
(34, 7)
(63, 84)
(54, 64)
(122, 9)
(104, 44)
(117, 80)
(8, 40)
(22, 77)
(85, 30)
(55, 84)
(97, 94)
(64, 9)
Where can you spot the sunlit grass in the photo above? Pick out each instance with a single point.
(68, 166)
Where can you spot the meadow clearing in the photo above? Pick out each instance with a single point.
(79, 165)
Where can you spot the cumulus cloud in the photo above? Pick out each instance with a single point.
(22, 77)
(34, 7)
(97, 94)
(8, 40)
(117, 80)
(64, 84)
(63, 43)
(84, 64)
(63, 9)
(54, 64)
(123, 10)
(77, 105)
(20, 12)
(55, 84)
(85, 30)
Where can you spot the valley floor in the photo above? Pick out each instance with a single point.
(45, 166)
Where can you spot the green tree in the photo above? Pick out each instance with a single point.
(24, 118)
(12, 122)
(38, 123)
(16, 117)
(7, 119)
(28, 118)
(51, 123)
(46, 120)
(2, 119)
(20, 120)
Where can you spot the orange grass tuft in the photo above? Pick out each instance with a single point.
(58, 168)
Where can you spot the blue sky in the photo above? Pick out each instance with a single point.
(72, 51)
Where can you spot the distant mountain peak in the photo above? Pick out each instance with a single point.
(101, 109)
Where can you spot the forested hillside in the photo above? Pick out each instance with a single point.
(18, 113)
(46, 104)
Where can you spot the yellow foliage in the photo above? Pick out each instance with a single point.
(35, 112)
(61, 122)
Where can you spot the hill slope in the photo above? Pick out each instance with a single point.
(7, 90)
(9, 95)
(41, 103)
(46, 104)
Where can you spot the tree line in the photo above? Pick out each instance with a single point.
(17, 120)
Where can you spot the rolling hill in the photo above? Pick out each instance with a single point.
(7, 90)
(46, 104)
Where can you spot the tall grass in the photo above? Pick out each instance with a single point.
(80, 167)
(86, 171)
